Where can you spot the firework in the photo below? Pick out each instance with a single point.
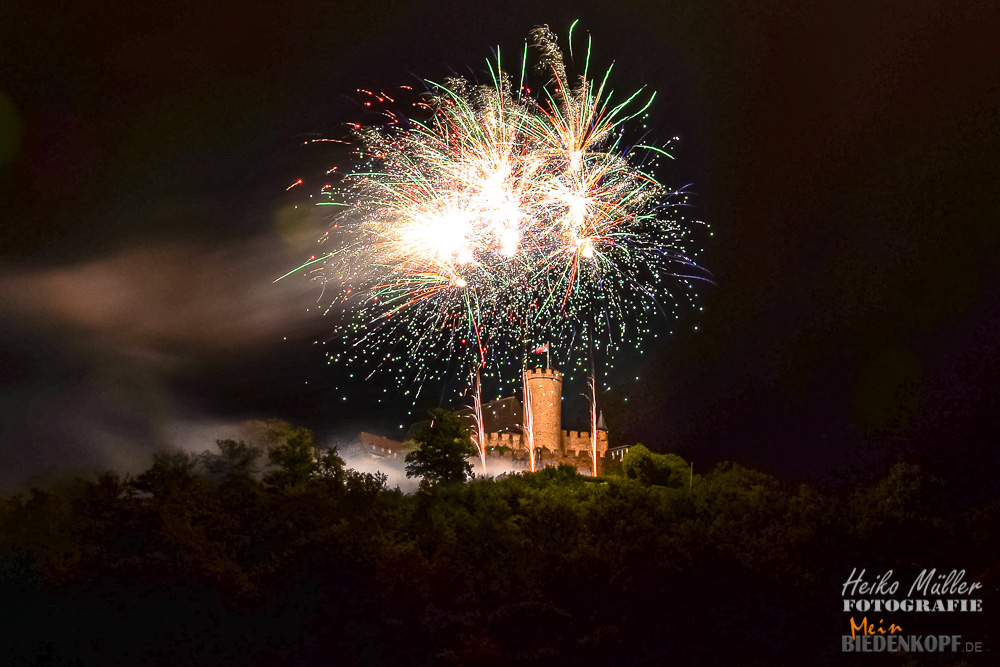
(592, 386)
(478, 434)
(495, 218)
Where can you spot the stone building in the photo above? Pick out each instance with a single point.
(503, 426)
(378, 447)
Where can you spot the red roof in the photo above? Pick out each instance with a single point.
(372, 440)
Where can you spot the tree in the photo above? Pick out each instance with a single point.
(266, 435)
(441, 450)
(172, 475)
(649, 467)
(330, 466)
(902, 499)
(295, 460)
(235, 462)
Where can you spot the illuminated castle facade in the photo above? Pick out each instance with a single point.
(504, 425)
(504, 429)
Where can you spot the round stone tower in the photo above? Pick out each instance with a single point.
(545, 403)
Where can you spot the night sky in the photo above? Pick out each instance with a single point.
(845, 158)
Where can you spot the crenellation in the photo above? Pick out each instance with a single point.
(544, 372)
(557, 445)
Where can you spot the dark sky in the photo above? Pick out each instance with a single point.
(845, 158)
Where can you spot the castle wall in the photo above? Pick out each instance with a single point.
(576, 443)
(545, 403)
(545, 389)
(511, 441)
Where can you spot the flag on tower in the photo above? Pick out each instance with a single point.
(542, 348)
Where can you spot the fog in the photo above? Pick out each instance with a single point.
(92, 352)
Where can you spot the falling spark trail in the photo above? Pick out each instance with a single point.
(479, 437)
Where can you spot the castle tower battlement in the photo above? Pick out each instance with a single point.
(544, 372)
(545, 402)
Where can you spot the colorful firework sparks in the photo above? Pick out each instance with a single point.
(499, 220)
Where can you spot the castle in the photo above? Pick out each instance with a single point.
(504, 430)
(553, 445)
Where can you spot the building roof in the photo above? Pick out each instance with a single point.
(370, 440)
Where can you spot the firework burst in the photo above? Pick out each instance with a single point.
(496, 218)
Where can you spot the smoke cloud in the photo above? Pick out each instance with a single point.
(91, 353)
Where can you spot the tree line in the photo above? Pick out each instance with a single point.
(279, 554)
